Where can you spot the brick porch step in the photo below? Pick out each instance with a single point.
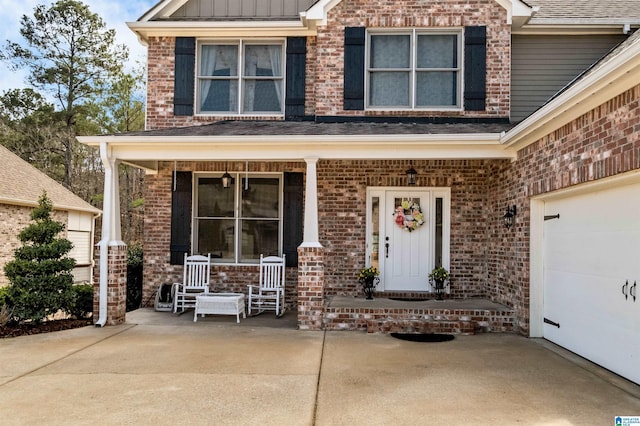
(381, 315)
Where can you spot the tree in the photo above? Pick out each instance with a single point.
(40, 276)
(70, 54)
(29, 129)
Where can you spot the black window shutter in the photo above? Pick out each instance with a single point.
(354, 45)
(180, 218)
(296, 76)
(475, 68)
(185, 62)
(292, 216)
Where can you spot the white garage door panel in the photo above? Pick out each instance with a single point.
(589, 253)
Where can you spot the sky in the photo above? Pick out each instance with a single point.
(115, 14)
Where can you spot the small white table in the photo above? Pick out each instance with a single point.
(220, 303)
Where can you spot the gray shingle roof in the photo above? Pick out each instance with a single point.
(585, 11)
(312, 128)
(22, 184)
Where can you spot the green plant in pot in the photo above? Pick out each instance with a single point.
(438, 278)
(368, 279)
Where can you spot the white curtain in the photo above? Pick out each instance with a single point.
(207, 68)
(275, 54)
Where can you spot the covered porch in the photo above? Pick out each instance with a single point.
(340, 162)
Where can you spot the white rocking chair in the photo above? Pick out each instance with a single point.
(268, 295)
(197, 270)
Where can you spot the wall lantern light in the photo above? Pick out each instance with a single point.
(411, 176)
(509, 216)
(226, 178)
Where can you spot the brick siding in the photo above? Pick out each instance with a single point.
(601, 143)
(325, 64)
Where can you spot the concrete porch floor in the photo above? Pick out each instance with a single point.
(160, 368)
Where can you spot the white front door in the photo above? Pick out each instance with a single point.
(406, 254)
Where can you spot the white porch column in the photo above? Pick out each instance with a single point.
(311, 235)
(113, 254)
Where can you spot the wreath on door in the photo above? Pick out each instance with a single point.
(409, 215)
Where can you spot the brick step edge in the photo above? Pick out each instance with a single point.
(463, 326)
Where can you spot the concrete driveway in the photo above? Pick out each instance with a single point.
(164, 369)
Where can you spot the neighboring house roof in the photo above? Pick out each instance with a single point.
(23, 184)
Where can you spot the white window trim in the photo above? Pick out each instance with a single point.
(238, 179)
(414, 32)
(241, 43)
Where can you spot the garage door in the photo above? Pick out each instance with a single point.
(591, 277)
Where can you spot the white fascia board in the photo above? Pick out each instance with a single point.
(220, 29)
(574, 29)
(318, 12)
(296, 148)
(56, 206)
(516, 9)
(609, 80)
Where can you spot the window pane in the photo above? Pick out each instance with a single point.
(219, 60)
(390, 51)
(216, 236)
(259, 237)
(437, 51)
(219, 95)
(436, 89)
(262, 96)
(389, 89)
(263, 60)
(261, 200)
(213, 199)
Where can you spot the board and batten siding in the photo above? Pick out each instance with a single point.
(277, 9)
(543, 65)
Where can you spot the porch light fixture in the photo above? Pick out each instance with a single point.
(509, 216)
(411, 176)
(226, 178)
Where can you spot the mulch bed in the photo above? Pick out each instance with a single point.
(15, 330)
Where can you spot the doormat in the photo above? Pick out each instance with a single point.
(423, 337)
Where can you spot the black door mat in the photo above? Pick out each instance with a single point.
(423, 337)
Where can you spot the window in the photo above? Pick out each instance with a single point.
(414, 70)
(240, 78)
(238, 224)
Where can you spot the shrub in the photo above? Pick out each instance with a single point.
(82, 301)
(134, 276)
(41, 273)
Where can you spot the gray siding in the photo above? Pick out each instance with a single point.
(543, 65)
(268, 9)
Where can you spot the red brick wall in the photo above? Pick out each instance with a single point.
(408, 14)
(325, 57)
(601, 143)
(342, 198)
(342, 195)
(157, 235)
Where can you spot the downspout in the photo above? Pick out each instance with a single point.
(106, 232)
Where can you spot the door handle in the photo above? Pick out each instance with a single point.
(632, 291)
(386, 250)
(624, 290)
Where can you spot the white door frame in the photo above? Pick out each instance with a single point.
(434, 192)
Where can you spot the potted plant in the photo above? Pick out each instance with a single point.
(438, 279)
(368, 278)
